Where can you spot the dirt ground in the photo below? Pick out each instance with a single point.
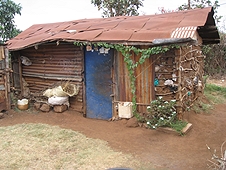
(164, 150)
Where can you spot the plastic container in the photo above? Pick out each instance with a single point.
(125, 110)
(22, 104)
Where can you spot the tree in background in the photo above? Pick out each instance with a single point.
(8, 10)
(215, 62)
(113, 8)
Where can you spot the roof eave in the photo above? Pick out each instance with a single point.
(155, 42)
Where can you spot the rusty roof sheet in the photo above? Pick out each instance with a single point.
(134, 30)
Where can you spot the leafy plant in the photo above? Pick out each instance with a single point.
(8, 10)
(215, 57)
(113, 8)
(161, 113)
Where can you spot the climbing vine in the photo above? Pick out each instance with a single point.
(127, 51)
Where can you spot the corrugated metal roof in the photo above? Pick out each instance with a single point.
(123, 29)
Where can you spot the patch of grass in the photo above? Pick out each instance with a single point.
(39, 146)
(214, 98)
(199, 107)
(178, 125)
(211, 89)
(214, 94)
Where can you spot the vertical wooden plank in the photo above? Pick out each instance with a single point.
(7, 79)
(2, 56)
(138, 75)
(114, 86)
(83, 85)
(179, 108)
(3, 85)
(152, 70)
(15, 67)
(20, 76)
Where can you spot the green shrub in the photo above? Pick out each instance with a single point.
(161, 113)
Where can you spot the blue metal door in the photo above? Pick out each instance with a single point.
(98, 84)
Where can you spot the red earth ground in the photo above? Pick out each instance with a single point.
(164, 150)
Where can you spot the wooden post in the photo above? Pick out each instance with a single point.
(20, 76)
(179, 101)
(83, 83)
(7, 81)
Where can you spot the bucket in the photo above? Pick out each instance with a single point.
(22, 104)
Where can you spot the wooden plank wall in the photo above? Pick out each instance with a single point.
(3, 104)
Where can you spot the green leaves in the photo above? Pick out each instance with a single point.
(161, 113)
(113, 8)
(8, 10)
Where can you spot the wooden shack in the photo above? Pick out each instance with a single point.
(101, 73)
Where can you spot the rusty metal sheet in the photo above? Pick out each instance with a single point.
(131, 25)
(59, 35)
(87, 36)
(119, 35)
(103, 24)
(144, 81)
(164, 23)
(52, 63)
(144, 35)
(78, 27)
(123, 29)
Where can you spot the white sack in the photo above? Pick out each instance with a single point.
(58, 101)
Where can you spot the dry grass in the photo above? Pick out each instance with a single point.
(39, 146)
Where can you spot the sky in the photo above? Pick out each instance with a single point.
(50, 11)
